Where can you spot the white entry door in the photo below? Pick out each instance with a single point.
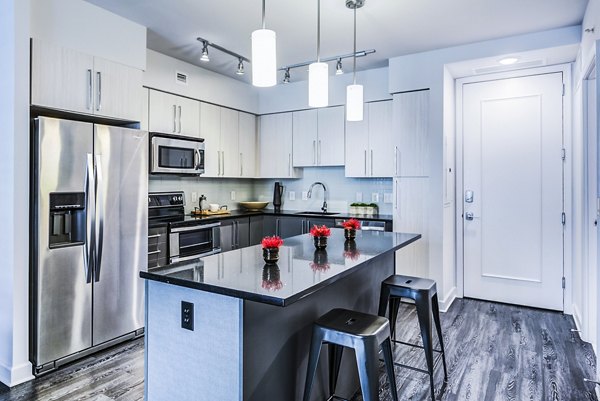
(513, 190)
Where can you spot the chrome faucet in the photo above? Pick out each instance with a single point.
(324, 207)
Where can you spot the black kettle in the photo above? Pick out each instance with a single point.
(277, 195)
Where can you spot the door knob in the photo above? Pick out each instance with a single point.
(469, 216)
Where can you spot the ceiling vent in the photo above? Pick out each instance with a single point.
(516, 66)
(181, 78)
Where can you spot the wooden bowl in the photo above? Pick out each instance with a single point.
(254, 205)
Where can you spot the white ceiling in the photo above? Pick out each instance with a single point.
(392, 27)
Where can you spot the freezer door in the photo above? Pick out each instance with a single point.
(62, 294)
(121, 158)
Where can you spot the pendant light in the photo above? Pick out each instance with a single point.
(264, 55)
(354, 92)
(318, 73)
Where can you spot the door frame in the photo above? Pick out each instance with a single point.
(565, 69)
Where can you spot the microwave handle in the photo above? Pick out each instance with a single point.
(197, 159)
(195, 228)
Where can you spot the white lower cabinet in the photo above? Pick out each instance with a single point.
(411, 216)
(276, 147)
(69, 80)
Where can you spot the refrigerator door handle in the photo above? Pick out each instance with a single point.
(100, 215)
(89, 218)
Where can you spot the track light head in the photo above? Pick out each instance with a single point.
(286, 76)
(338, 67)
(204, 56)
(240, 68)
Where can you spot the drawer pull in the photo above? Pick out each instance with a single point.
(154, 236)
(154, 252)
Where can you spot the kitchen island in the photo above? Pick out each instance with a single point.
(252, 321)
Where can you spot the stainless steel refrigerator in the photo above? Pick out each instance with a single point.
(89, 187)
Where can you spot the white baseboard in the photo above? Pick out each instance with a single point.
(577, 319)
(12, 376)
(446, 302)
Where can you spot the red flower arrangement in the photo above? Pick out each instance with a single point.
(319, 267)
(351, 224)
(321, 231)
(271, 242)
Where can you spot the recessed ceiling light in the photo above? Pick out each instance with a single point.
(508, 60)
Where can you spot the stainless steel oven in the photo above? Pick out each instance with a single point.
(173, 154)
(194, 241)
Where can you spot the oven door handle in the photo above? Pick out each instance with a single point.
(194, 228)
(201, 255)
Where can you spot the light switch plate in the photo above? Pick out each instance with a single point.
(304, 195)
(359, 196)
(375, 197)
(232, 195)
(194, 197)
(387, 197)
(292, 195)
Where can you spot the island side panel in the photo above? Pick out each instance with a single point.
(200, 365)
(277, 339)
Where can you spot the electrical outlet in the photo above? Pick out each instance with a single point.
(359, 197)
(304, 195)
(374, 197)
(387, 197)
(232, 195)
(292, 195)
(187, 315)
(194, 197)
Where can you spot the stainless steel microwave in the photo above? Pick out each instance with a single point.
(174, 154)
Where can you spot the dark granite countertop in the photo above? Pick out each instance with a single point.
(270, 212)
(300, 271)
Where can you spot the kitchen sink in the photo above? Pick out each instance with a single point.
(318, 213)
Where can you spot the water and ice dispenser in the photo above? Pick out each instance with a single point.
(67, 219)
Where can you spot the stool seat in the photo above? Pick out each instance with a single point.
(362, 332)
(355, 323)
(410, 282)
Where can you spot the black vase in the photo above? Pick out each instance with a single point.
(271, 255)
(320, 242)
(349, 233)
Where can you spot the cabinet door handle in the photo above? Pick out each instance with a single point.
(241, 165)
(223, 162)
(179, 131)
(371, 162)
(277, 230)
(174, 118)
(319, 153)
(365, 162)
(289, 164)
(99, 104)
(395, 160)
(90, 90)
(314, 152)
(218, 162)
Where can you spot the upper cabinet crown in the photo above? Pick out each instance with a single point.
(318, 137)
(69, 80)
(173, 114)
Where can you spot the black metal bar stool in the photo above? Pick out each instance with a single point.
(424, 293)
(364, 333)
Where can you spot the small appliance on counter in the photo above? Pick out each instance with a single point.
(277, 196)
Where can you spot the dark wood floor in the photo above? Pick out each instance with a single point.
(495, 352)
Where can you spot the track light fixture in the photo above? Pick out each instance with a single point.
(286, 76)
(240, 69)
(204, 51)
(338, 67)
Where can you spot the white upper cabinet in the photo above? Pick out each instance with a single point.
(330, 144)
(411, 132)
(247, 144)
(318, 137)
(275, 146)
(229, 142)
(230, 150)
(210, 130)
(305, 137)
(69, 80)
(173, 114)
(369, 143)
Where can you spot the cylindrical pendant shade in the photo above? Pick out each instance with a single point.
(354, 102)
(318, 85)
(264, 58)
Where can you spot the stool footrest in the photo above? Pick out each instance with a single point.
(414, 345)
(435, 362)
